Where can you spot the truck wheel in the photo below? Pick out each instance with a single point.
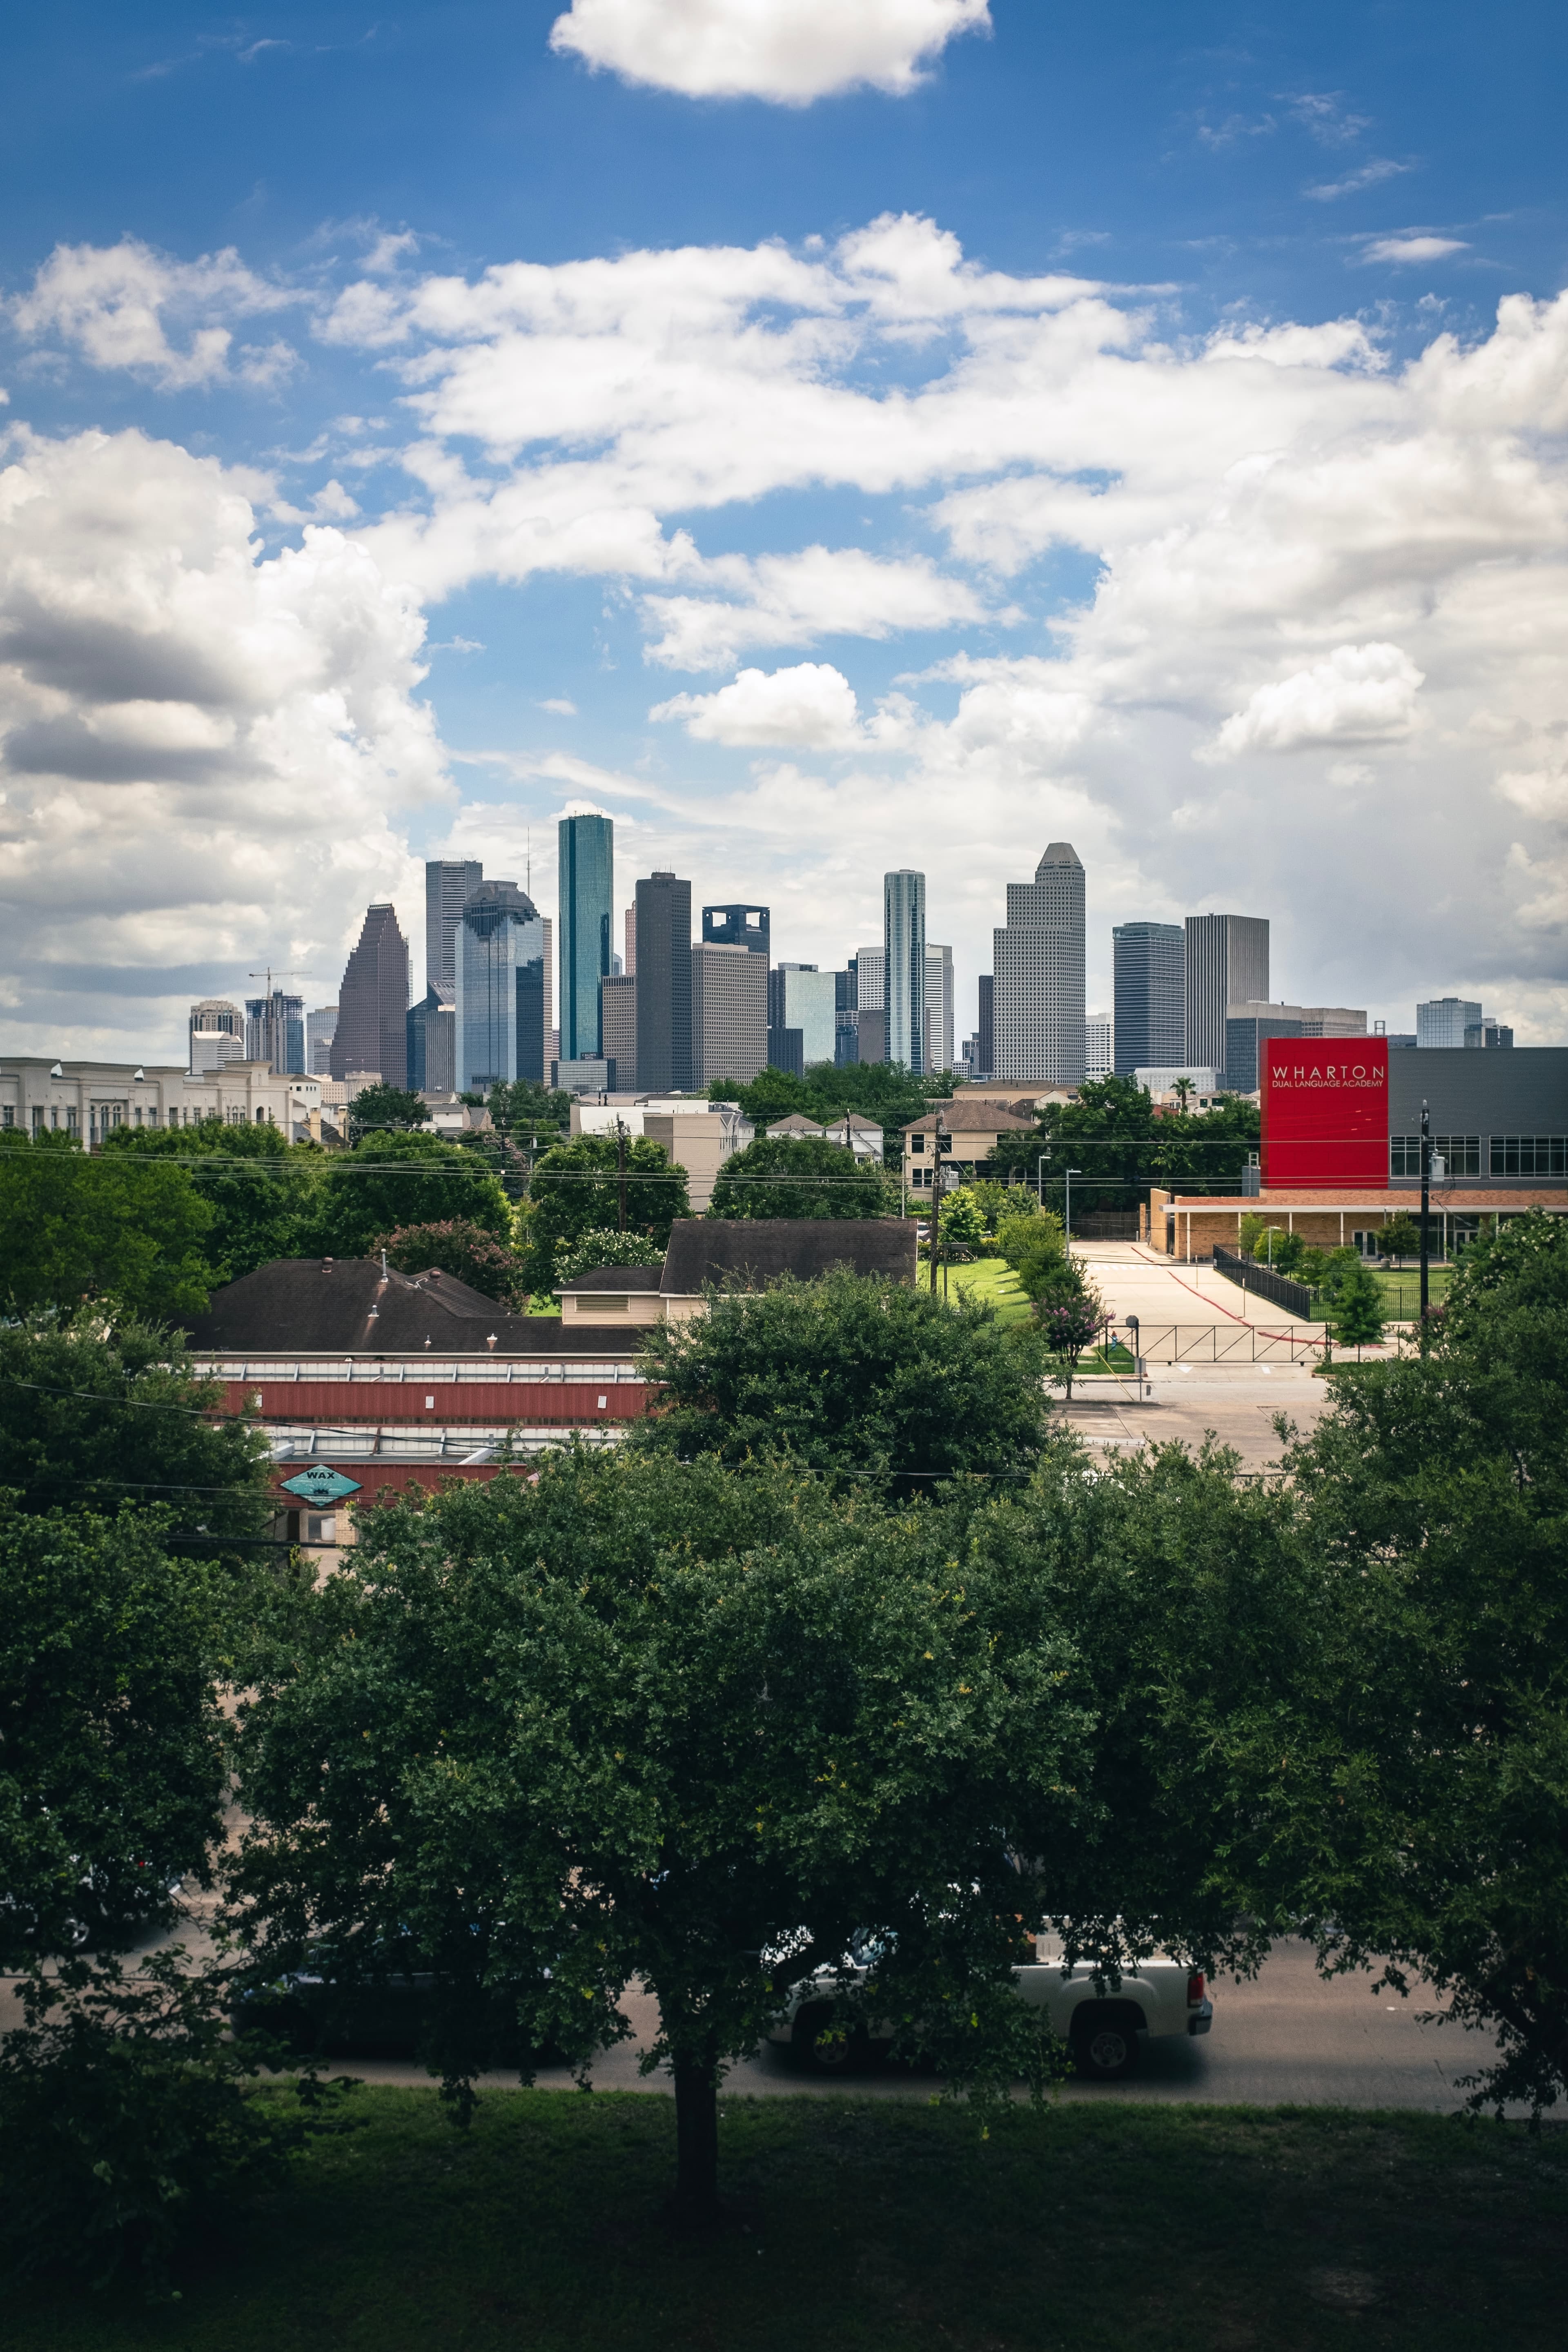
(825, 2045)
(1105, 2047)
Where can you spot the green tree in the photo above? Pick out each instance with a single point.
(111, 1758)
(74, 1228)
(393, 1181)
(1401, 1237)
(576, 1190)
(460, 1247)
(1113, 1135)
(884, 1091)
(857, 1379)
(386, 1106)
(105, 1415)
(650, 1722)
(606, 1247)
(1069, 1322)
(529, 1113)
(1355, 1315)
(799, 1176)
(1249, 1232)
(962, 1220)
(259, 1187)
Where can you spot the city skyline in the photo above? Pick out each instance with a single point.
(420, 439)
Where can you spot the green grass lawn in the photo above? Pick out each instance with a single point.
(870, 2226)
(1401, 1288)
(988, 1278)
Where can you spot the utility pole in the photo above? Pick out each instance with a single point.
(1425, 1214)
(936, 1179)
(621, 1167)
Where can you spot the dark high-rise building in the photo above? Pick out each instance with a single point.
(501, 999)
(618, 1026)
(664, 986)
(740, 926)
(449, 884)
(585, 883)
(433, 1042)
(985, 1027)
(1226, 964)
(1150, 1014)
(373, 1002)
(786, 1047)
(846, 1014)
(729, 1011)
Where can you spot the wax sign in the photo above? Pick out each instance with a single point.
(320, 1484)
(1325, 1112)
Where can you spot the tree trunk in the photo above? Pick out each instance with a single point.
(695, 2140)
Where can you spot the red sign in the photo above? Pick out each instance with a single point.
(1325, 1112)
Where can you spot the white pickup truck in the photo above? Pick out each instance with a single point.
(1101, 2024)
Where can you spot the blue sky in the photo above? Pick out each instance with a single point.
(1104, 428)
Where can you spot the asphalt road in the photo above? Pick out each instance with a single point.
(1287, 2039)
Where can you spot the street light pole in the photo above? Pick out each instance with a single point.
(1425, 1214)
(1067, 1237)
(1040, 1178)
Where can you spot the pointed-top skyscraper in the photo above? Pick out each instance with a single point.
(1038, 963)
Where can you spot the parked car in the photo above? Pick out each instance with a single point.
(1103, 2025)
(314, 2013)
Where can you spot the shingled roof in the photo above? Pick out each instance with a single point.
(749, 1253)
(312, 1306)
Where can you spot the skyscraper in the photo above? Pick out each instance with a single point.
(1038, 970)
(433, 1042)
(499, 998)
(803, 998)
(729, 1011)
(1443, 1020)
(320, 1028)
(738, 925)
(904, 970)
(1226, 964)
(1096, 1046)
(1150, 988)
(449, 884)
(664, 984)
(373, 1002)
(275, 1032)
(217, 1035)
(618, 1027)
(585, 883)
(939, 1007)
(986, 1028)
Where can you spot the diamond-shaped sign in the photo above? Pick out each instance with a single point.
(322, 1484)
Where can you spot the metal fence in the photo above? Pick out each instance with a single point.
(1220, 1343)
(1278, 1288)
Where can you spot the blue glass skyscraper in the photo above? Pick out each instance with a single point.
(499, 967)
(904, 946)
(586, 888)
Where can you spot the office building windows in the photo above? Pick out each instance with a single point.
(904, 966)
(1529, 1155)
(433, 1042)
(449, 884)
(729, 1012)
(584, 884)
(618, 1025)
(1096, 1046)
(500, 1009)
(1460, 1156)
(1487, 1033)
(1037, 962)
(664, 984)
(1226, 963)
(986, 1028)
(939, 1007)
(275, 1032)
(217, 1035)
(737, 926)
(1443, 1020)
(373, 1002)
(1149, 963)
(321, 1026)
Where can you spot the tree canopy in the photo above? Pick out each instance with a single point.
(648, 1721)
(99, 1413)
(884, 1091)
(799, 1176)
(1120, 1145)
(111, 1760)
(398, 1109)
(576, 1190)
(258, 1186)
(864, 1380)
(75, 1227)
(391, 1179)
(458, 1246)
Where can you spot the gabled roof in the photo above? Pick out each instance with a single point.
(311, 1306)
(749, 1253)
(970, 1118)
(614, 1278)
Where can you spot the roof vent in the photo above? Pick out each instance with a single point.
(326, 1266)
(491, 1341)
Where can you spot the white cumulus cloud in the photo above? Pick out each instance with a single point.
(1412, 248)
(207, 759)
(812, 705)
(114, 305)
(1359, 694)
(789, 52)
